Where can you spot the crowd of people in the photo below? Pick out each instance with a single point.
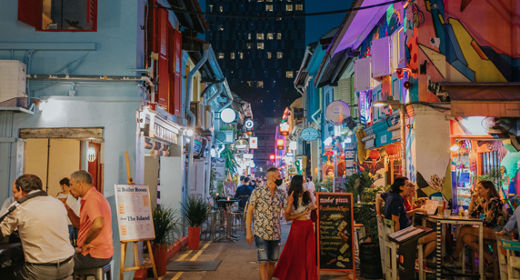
(49, 227)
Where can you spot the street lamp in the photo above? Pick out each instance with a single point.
(396, 104)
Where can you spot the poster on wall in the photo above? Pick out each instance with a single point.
(134, 213)
(335, 232)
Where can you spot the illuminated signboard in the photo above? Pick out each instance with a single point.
(365, 102)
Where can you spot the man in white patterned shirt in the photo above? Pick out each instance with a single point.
(265, 205)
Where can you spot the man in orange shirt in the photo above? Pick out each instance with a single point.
(95, 247)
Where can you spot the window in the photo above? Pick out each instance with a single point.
(221, 28)
(260, 1)
(220, 55)
(299, 7)
(232, 55)
(248, 36)
(270, 36)
(268, 8)
(248, 45)
(260, 84)
(59, 15)
(221, 9)
(241, 55)
(279, 55)
(211, 8)
(269, 55)
(259, 36)
(289, 74)
(288, 7)
(260, 45)
(278, 36)
(270, 1)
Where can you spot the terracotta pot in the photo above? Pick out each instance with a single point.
(159, 255)
(193, 238)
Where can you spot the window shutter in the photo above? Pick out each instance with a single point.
(92, 14)
(30, 12)
(177, 61)
(163, 79)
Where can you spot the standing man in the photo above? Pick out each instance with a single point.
(266, 204)
(95, 248)
(41, 221)
(243, 193)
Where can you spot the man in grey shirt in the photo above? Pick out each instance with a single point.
(42, 223)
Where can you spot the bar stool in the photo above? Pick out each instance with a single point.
(99, 273)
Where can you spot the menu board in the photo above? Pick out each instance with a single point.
(335, 231)
(134, 213)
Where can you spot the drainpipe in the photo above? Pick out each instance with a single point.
(313, 116)
(192, 117)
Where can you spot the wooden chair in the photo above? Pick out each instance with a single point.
(513, 262)
(502, 255)
(388, 248)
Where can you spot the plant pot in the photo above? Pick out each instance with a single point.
(370, 260)
(159, 256)
(193, 238)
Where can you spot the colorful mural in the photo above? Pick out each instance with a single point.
(458, 41)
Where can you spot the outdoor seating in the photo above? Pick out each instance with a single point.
(388, 248)
(513, 261)
(99, 273)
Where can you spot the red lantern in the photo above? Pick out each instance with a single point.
(391, 150)
(374, 154)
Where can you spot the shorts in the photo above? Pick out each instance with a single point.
(268, 250)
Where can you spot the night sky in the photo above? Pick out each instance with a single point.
(316, 26)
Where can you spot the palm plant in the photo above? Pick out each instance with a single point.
(164, 222)
(195, 210)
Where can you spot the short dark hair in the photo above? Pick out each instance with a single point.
(65, 181)
(398, 183)
(246, 179)
(28, 183)
(309, 177)
(242, 178)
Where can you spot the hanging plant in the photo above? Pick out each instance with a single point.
(231, 163)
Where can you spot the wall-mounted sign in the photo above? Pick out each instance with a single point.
(336, 112)
(284, 128)
(162, 129)
(309, 134)
(241, 144)
(249, 124)
(228, 115)
(365, 105)
(253, 142)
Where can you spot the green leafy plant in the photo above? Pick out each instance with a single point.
(231, 163)
(195, 210)
(356, 183)
(165, 221)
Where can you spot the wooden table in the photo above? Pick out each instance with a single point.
(456, 220)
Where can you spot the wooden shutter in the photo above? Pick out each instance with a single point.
(30, 12)
(177, 73)
(163, 79)
(92, 14)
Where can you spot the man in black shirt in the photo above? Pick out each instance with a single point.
(243, 193)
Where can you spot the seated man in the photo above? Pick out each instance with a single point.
(42, 223)
(95, 248)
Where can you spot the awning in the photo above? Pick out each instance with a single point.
(358, 24)
(484, 99)
(189, 14)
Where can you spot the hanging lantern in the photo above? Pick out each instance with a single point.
(391, 150)
(374, 154)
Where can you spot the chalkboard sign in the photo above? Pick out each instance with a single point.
(335, 232)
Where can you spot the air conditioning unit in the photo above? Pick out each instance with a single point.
(12, 84)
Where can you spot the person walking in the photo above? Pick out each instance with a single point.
(95, 247)
(265, 206)
(41, 221)
(298, 259)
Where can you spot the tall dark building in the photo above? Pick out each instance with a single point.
(259, 44)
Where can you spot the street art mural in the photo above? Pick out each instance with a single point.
(458, 41)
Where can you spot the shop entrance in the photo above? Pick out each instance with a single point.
(54, 153)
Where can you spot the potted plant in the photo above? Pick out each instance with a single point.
(164, 222)
(360, 185)
(196, 212)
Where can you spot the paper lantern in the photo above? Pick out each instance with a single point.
(374, 154)
(391, 150)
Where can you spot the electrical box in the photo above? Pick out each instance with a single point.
(12, 83)
(363, 74)
(381, 52)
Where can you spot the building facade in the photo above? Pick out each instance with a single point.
(259, 45)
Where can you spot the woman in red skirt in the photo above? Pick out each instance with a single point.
(298, 259)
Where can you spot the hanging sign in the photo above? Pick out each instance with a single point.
(336, 112)
(134, 213)
(253, 142)
(335, 232)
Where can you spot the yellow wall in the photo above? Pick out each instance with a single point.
(64, 158)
